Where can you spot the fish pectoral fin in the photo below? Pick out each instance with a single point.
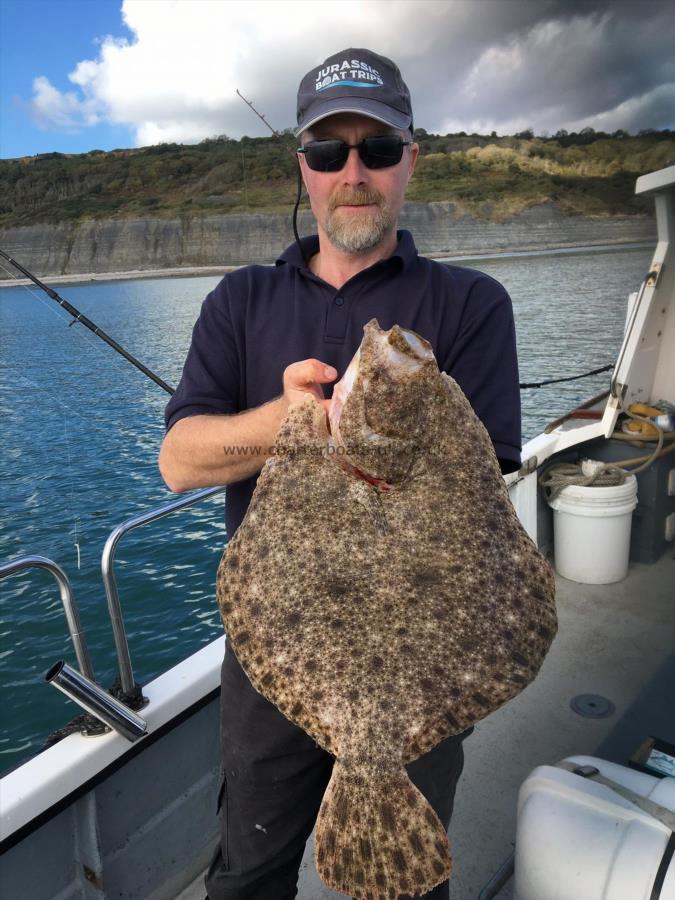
(376, 833)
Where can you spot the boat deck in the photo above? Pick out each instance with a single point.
(617, 641)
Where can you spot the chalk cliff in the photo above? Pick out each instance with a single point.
(120, 245)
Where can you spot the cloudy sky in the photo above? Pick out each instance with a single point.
(83, 74)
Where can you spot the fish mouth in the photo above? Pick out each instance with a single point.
(399, 351)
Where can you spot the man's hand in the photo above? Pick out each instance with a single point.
(203, 450)
(306, 377)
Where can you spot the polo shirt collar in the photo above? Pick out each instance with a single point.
(406, 251)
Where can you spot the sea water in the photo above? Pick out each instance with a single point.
(81, 430)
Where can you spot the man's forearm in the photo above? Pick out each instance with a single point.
(201, 451)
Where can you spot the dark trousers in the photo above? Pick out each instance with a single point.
(274, 777)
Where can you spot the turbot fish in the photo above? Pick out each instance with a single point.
(382, 593)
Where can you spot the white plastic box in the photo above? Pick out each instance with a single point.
(579, 840)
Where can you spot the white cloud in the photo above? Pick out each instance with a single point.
(518, 64)
(176, 80)
(52, 108)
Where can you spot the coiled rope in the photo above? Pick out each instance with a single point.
(561, 475)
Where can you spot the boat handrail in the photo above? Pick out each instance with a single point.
(67, 600)
(628, 334)
(110, 583)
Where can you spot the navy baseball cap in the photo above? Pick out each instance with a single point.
(356, 81)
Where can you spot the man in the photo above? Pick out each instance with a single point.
(267, 336)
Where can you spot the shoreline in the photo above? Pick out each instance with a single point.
(205, 271)
(131, 275)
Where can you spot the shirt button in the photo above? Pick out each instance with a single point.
(339, 301)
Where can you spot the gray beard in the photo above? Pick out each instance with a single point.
(357, 236)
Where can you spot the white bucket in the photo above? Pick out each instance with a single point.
(591, 527)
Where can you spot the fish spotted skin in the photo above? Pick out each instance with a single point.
(382, 593)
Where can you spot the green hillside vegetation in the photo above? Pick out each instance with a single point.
(493, 177)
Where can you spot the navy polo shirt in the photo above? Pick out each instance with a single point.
(260, 319)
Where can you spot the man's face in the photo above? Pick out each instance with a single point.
(356, 208)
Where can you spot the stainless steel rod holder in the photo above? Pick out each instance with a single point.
(96, 701)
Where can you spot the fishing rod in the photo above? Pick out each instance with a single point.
(260, 115)
(299, 190)
(92, 326)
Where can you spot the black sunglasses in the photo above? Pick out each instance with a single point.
(378, 152)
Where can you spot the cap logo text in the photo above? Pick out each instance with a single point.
(351, 72)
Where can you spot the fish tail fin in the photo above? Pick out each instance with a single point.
(377, 836)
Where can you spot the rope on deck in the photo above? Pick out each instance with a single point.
(561, 475)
